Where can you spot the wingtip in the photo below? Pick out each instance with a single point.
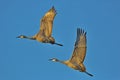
(85, 33)
(81, 31)
(53, 9)
(78, 28)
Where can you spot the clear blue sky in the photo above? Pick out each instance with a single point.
(28, 60)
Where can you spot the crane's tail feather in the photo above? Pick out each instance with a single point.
(88, 73)
(58, 44)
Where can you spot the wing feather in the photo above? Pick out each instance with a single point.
(47, 22)
(80, 47)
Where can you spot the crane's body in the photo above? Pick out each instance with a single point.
(45, 33)
(75, 66)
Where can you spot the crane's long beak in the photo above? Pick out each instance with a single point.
(49, 59)
(18, 37)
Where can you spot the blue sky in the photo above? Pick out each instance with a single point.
(28, 60)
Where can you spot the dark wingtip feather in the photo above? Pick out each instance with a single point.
(81, 31)
(53, 9)
(85, 33)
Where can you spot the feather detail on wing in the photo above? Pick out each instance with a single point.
(80, 47)
(47, 22)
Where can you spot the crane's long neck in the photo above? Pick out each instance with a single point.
(64, 62)
(31, 38)
(26, 37)
(60, 61)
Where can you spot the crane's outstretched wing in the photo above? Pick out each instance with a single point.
(47, 23)
(80, 47)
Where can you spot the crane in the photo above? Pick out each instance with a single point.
(79, 52)
(45, 33)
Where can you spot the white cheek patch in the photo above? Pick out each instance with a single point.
(21, 36)
(53, 60)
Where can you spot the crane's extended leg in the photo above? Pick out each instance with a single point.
(52, 41)
(88, 73)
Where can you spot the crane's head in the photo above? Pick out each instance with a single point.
(21, 36)
(54, 60)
